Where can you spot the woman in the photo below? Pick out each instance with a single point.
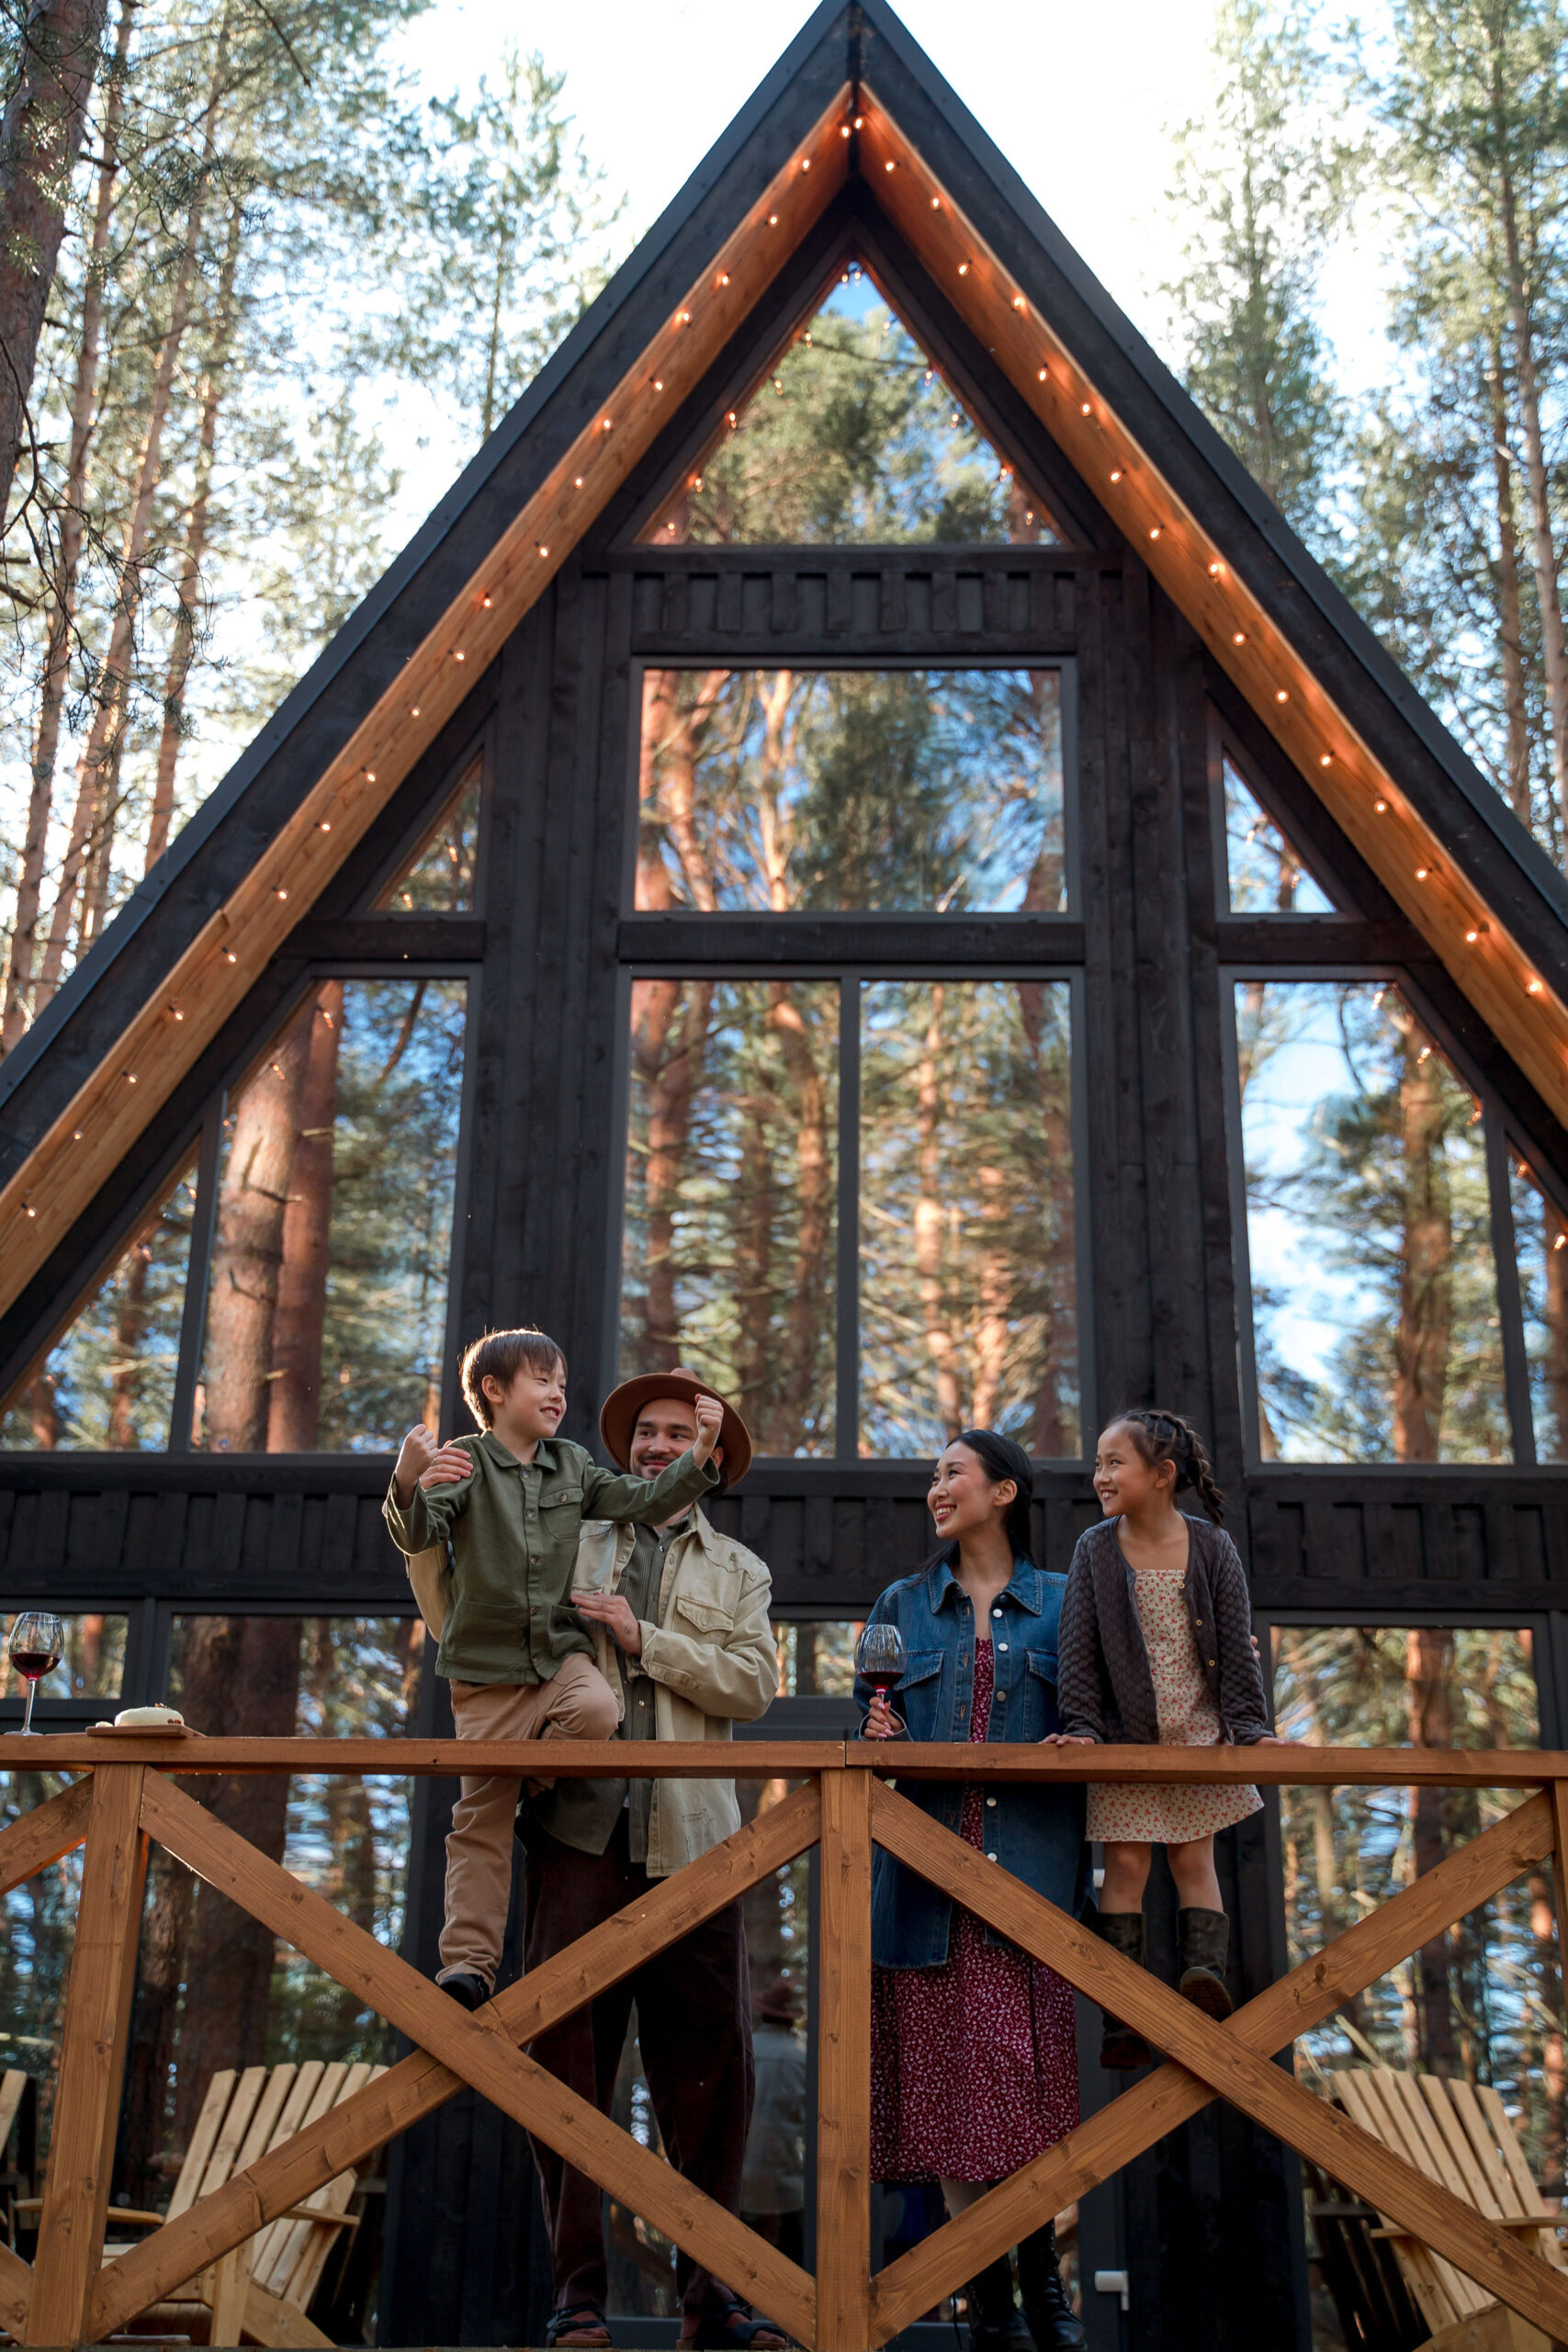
(952, 2001)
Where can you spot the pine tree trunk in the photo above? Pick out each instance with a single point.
(247, 1258)
(814, 1213)
(94, 780)
(1553, 637)
(63, 612)
(929, 1219)
(184, 643)
(1510, 625)
(40, 137)
(294, 1398)
(1429, 1670)
(1423, 1338)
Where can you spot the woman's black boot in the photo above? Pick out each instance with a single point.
(1121, 2047)
(1202, 1940)
(1053, 2323)
(995, 2324)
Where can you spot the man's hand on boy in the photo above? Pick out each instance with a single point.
(611, 1611)
(448, 1463)
(710, 1420)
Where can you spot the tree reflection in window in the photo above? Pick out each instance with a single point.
(92, 1663)
(110, 1381)
(967, 1280)
(1265, 873)
(1374, 1285)
(327, 1300)
(1482, 2001)
(1541, 1236)
(731, 1206)
(920, 790)
(441, 880)
(214, 1988)
(853, 438)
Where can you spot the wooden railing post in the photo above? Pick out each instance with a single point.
(92, 2060)
(843, 2065)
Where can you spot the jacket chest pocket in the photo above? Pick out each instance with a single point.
(917, 1694)
(709, 1617)
(1041, 1715)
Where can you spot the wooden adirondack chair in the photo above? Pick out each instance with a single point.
(1458, 2133)
(260, 2292)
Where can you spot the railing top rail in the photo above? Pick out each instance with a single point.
(766, 1759)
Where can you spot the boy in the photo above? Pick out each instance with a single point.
(518, 1658)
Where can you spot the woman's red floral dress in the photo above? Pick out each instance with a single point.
(973, 2065)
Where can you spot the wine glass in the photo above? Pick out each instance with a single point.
(37, 1644)
(880, 1657)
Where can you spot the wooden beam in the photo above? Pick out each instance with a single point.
(1219, 2057)
(15, 2293)
(92, 2059)
(1298, 2003)
(1471, 936)
(42, 1835)
(1366, 1768)
(164, 1037)
(345, 2137)
(843, 2065)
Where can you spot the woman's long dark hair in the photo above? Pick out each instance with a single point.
(1003, 1459)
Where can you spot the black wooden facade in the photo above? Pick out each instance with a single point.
(1210, 2227)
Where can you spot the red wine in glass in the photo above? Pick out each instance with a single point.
(37, 1644)
(880, 1657)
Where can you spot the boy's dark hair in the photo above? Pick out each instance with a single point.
(1166, 1437)
(501, 1355)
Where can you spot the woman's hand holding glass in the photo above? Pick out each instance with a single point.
(880, 1659)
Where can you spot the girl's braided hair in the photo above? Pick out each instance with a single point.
(1166, 1437)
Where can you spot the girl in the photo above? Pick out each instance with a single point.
(1157, 1647)
(953, 2004)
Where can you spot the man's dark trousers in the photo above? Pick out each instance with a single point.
(693, 2007)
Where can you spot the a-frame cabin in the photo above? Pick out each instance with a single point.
(621, 875)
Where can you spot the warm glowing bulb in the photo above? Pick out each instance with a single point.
(888, 166)
(1154, 530)
(229, 957)
(859, 121)
(577, 483)
(1042, 374)
(1239, 638)
(609, 420)
(659, 387)
(1470, 937)
(543, 550)
(1088, 407)
(1282, 693)
(177, 1013)
(1534, 989)
(1422, 872)
(1326, 759)
(326, 825)
(1019, 303)
(1115, 473)
(936, 203)
(806, 162)
(282, 893)
(414, 712)
(772, 220)
(686, 318)
(963, 269)
(369, 776)
(1381, 807)
(844, 131)
(1215, 569)
(459, 654)
(724, 277)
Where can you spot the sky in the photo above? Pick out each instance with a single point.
(1082, 101)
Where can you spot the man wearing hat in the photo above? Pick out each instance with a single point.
(679, 1615)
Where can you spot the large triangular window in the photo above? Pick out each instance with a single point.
(108, 1380)
(854, 439)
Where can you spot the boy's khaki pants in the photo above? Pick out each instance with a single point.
(576, 1704)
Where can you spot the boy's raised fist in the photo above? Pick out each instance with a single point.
(415, 1455)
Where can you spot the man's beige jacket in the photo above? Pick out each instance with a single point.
(711, 1655)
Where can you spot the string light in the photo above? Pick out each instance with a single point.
(1326, 759)
(723, 278)
(543, 549)
(1154, 529)
(577, 483)
(325, 825)
(27, 1204)
(1472, 936)
(414, 712)
(1115, 473)
(609, 420)
(1042, 374)
(229, 957)
(369, 776)
(1422, 873)
(936, 203)
(844, 131)
(281, 891)
(859, 119)
(1216, 570)
(1282, 693)
(76, 1135)
(1381, 807)
(806, 162)
(684, 319)
(487, 602)
(1239, 636)
(772, 220)
(1534, 989)
(888, 166)
(458, 653)
(1019, 303)
(963, 269)
(1088, 407)
(659, 387)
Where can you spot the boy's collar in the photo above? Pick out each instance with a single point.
(505, 1459)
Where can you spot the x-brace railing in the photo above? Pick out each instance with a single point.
(70, 2296)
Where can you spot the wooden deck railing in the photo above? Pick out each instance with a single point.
(129, 1797)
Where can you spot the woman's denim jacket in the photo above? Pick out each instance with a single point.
(1035, 1832)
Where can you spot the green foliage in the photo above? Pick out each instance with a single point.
(853, 438)
(1263, 184)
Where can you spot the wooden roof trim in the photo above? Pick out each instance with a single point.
(1470, 935)
(160, 1044)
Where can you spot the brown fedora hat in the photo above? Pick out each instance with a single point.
(617, 1418)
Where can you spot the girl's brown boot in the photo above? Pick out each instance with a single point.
(1121, 2048)
(1202, 1940)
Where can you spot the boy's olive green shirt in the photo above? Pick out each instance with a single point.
(513, 1528)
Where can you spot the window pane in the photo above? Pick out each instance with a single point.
(1265, 870)
(109, 1382)
(854, 439)
(1483, 2000)
(327, 1304)
(215, 1988)
(1374, 1287)
(440, 879)
(968, 1281)
(732, 1197)
(38, 1929)
(922, 790)
(817, 1658)
(90, 1667)
(1541, 1239)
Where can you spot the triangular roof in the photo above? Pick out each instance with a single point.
(853, 99)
